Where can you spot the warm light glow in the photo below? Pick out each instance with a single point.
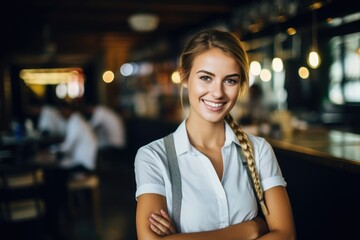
(255, 68)
(175, 77)
(265, 75)
(316, 5)
(304, 72)
(108, 76)
(314, 59)
(143, 22)
(291, 31)
(51, 76)
(277, 64)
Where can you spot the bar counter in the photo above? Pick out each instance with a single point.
(322, 171)
(328, 147)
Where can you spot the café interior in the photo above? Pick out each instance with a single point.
(304, 58)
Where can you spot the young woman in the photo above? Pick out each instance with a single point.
(219, 196)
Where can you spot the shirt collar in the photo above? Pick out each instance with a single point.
(230, 136)
(181, 139)
(182, 143)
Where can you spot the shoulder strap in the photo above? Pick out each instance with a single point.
(175, 178)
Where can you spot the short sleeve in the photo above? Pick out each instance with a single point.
(269, 170)
(149, 172)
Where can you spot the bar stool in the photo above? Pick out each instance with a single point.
(86, 182)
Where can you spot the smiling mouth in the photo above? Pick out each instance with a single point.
(213, 105)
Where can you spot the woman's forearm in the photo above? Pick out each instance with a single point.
(241, 231)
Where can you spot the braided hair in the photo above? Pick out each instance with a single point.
(250, 160)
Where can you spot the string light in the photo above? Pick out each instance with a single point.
(277, 64)
(255, 68)
(108, 76)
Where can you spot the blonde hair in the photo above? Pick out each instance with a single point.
(247, 149)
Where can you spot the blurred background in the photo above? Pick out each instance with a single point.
(122, 55)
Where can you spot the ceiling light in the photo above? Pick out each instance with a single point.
(143, 22)
(51, 76)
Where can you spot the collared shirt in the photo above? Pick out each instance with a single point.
(208, 203)
(80, 144)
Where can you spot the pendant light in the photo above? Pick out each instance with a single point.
(314, 57)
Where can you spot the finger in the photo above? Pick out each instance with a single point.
(161, 219)
(156, 230)
(167, 217)
(160, 223)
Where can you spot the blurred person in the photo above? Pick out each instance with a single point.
(79, 148)
(219, 197)
(108, 126)
(50, 121)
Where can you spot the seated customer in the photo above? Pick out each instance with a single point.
(108, 126)
(79, 148)
(50, 121)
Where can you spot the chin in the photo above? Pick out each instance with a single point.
(214, 119)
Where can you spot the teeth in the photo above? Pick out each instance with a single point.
(211, 104)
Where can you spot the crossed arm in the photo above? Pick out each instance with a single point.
(153, 223)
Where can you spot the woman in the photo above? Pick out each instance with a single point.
(218, 200)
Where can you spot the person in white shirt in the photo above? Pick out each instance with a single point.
(108, 126)
(51, 122)
(219, 198)
(80, 145)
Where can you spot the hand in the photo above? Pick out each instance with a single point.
(162, 224)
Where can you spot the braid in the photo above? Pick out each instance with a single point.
(250, 159)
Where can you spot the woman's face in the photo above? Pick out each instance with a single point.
(213, 85)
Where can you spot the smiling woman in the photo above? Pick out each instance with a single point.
(218, 162)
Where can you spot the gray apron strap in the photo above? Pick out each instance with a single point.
(175, 178)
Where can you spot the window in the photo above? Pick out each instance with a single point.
(344, 72)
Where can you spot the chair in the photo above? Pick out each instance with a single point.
(22, 202)
(91, 183)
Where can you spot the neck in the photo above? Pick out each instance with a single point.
(206, 134)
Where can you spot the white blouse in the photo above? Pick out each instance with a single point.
(207, 202)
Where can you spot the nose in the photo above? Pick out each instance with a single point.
(217, 90)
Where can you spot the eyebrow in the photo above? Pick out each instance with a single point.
(229, 75)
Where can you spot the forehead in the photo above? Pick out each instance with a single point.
(215, 60)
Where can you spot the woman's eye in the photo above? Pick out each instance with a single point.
(205, 78)
(231, 81)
